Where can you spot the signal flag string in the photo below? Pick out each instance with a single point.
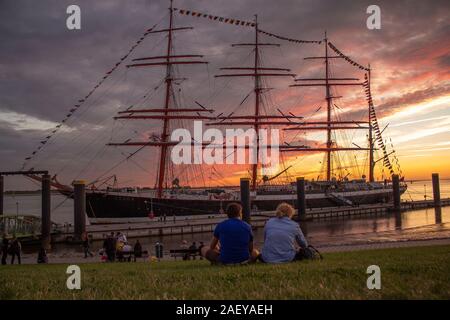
(196, 14)
(237, 22)
(375, 125)
(85, 98)
(289, 39)
(346, 58)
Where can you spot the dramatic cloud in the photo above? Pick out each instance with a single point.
(45, 68)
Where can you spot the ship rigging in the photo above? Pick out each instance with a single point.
(172, 198)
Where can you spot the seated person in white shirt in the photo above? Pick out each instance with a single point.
(283, 238)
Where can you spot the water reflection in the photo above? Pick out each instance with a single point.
(343, 226)
(398, 220)
(316, 229)
(438, 215)
(304, 227)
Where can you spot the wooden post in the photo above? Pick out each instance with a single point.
(436, 190)
(398, 220)
(79, 198)
(245, 199)
(396, 191)
(438, 215)
(2, 190)
(46, 223)
(301, 201)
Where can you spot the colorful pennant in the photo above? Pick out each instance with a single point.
(347, 58)
(236, 22)
(289, 39)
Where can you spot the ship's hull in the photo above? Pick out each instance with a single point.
(117, 205)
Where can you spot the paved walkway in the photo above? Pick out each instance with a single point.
(421, 236)
(385, 245)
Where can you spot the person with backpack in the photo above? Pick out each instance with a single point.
(232, 242)
(283, 239)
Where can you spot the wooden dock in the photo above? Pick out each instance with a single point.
(414, 205)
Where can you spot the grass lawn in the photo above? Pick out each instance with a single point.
(406, 273)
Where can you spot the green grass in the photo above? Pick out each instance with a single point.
(407, 273)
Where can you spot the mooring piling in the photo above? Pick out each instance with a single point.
(79, 197)
(438, 215)
(245, 199)
(2, 190)
(301, 200)
(436, 190)
(396, 191)
(46, 222)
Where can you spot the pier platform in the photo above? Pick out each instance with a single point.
(134, 228)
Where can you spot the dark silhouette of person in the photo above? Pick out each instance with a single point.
(193, 247)
(86, 246)
(137, 250)
(15, 249)
(109, 245)
(42, 256)
(200, 246)
(5, 245)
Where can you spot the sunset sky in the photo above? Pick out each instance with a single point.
(46, 68)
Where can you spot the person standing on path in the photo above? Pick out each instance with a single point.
(15, 250)
(5, 245)
(109, 245)
(86, 246)
(137, 250)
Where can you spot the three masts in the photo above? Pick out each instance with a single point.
(255, 119)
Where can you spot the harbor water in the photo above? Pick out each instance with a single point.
(318, 230)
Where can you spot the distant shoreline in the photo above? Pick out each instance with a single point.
(32, 192)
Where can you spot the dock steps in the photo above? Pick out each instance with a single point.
(339, 199)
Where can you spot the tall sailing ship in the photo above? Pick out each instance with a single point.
(173, 198)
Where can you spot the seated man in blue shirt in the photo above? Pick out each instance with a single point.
(233, 240)
(283, 238)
